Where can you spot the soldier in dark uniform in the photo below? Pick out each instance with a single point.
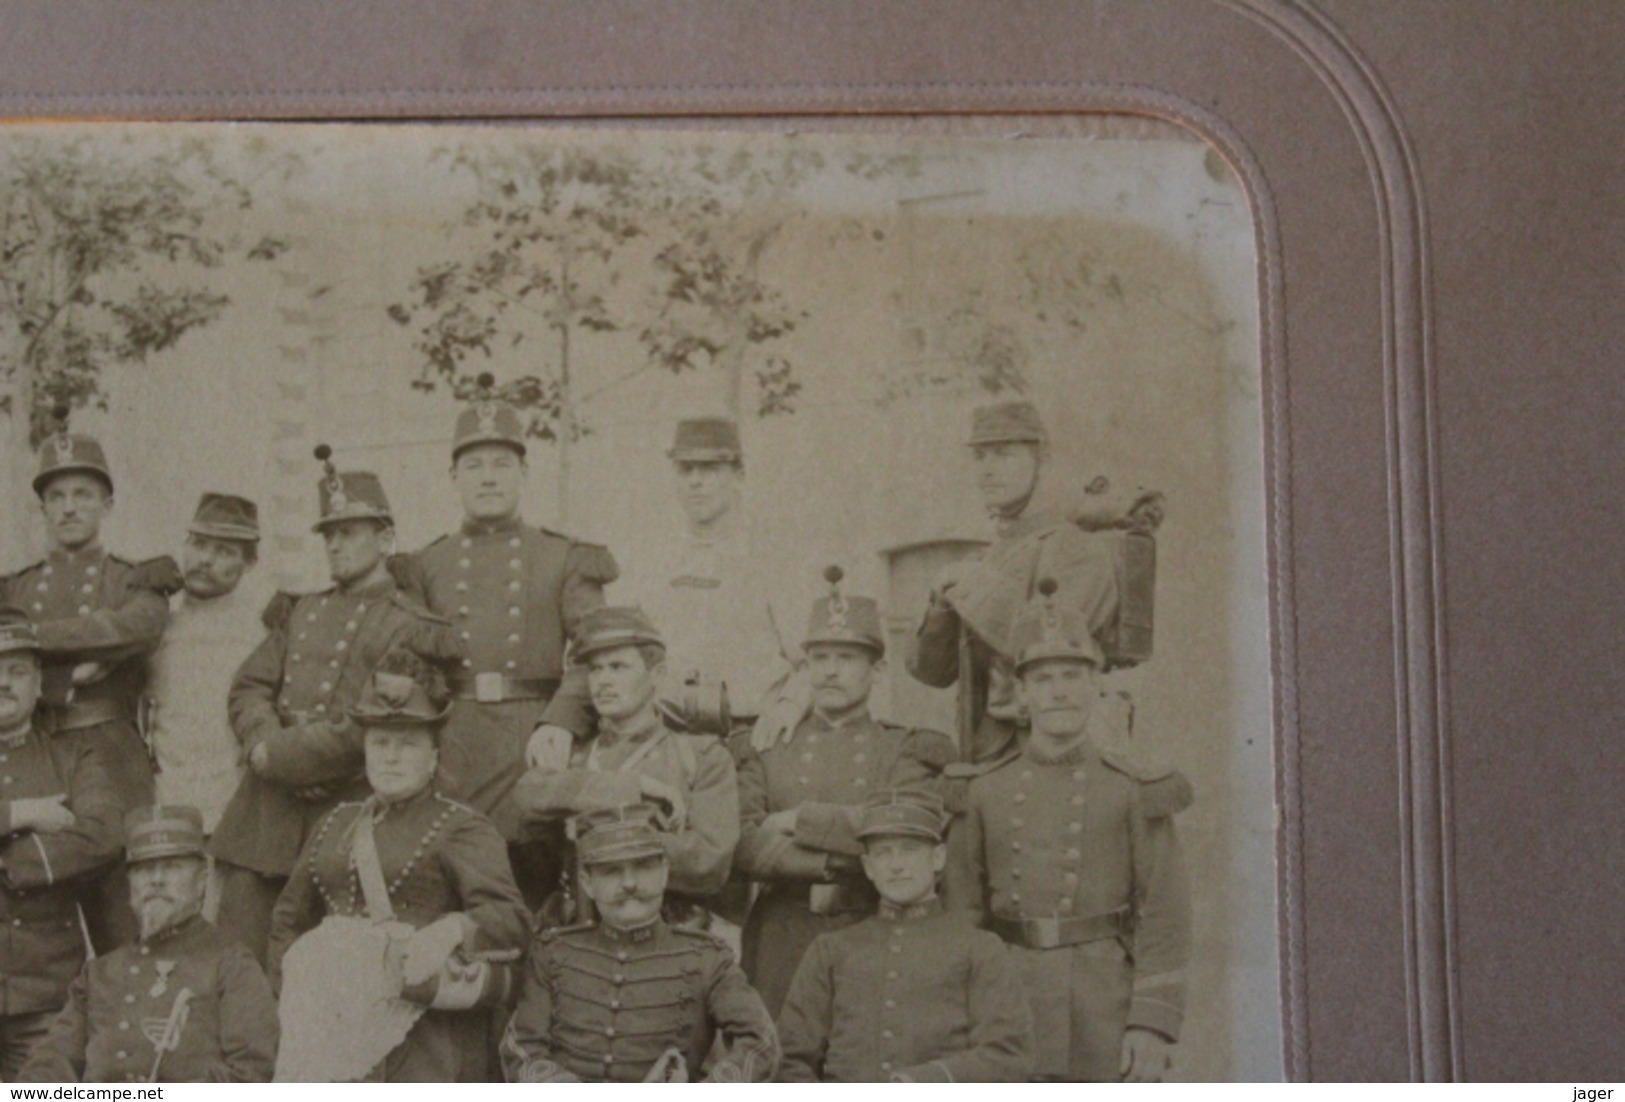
(631, 999)
(1079, 540)
(59, 826)
(1069, 854)
(408, 856)
(516, 594)
(186, 1004)
(98, 617)
(635, 757)
(913, 994)
(289, 699)
(799, 801)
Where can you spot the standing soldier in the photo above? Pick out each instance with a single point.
(186, 1004)
(211, 631)
(635, 758)
(288, 701)
(630, 999)
(1069, 854)
(59, 824)
(1097, 546)
(98, 616)
(707, 590)
(516, 594)
(800, 800)
(912, 995)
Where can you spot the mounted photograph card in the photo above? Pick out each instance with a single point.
(212, 301)
(1274, 288)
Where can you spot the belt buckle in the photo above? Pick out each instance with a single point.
(1041, 933)
(488, 688)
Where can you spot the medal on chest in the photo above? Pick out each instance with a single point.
(161, 986)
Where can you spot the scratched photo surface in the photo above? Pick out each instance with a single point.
(849, 297)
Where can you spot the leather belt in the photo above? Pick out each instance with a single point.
(88, 713)
(1056, 932)
(494, 688)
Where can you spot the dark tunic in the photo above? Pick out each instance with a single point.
(827, 772)
(515, 593)
(1089, 835)
(291, 694)
(119, 1004)
(41, 944)
(602, 1005)
(912, 993)
(88, 605)
(438, 858)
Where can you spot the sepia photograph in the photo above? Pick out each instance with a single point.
(654, 602)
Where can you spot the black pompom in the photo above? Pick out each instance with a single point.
(486, 380)
(1048, 586)
(323, 452)
(833, 574)
(60, 411)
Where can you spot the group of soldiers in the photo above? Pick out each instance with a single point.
(455, 817)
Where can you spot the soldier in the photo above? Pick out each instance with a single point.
(288, 700)
(708, 591)
(964, 636)
(635, 757)
(59, 824)
(516, 593)
(212, 629)
(98, 616)
(433, 872)
(799, 801)
(1069, 854)
(912, 995)
(631, 999)
(184, 1005)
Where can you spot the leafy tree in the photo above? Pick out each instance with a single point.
(96, 242)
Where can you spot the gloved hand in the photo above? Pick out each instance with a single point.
(427, 950)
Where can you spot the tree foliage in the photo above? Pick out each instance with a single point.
(96, 242)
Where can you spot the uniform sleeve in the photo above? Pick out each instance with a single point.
(1162, 921)
(750, 1044)
(702, 853)
(318, 752)
(475, 858)
(298, 909)
(832, 828)
(807, 1016)
(527, 1043)
(59, 1056)
(133, 627)
(571, 707)
(763, 854)
(964, 882)
(999, 1048)
(546, 795)
(588, 568)
(933, 653)
(35, 859)
(249, 1030)
(251, 700)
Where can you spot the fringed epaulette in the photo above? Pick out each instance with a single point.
(1164, 790)
(957, 777)
(160, 575)
(278, 609)
(593, 562)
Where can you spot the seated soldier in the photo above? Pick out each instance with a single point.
(630, 999)
(913, 994)
(635, 757)
(185, 1004)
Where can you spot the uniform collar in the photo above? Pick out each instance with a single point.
(1074, 754)
(856, 718)
(925, 908)
(642, 733)
(381, 810)
(638, 936)
(91, 552)
(171, 933)
(382, 587)
(503, 527)
(1028, 521)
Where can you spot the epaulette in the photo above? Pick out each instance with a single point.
(927, 736)
(594, 562)
(958, 776)
(459, 805)
(553, 933)
(160, 574)
(400, 600)
(278, 609)
(1164, 790)
(706, 936)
